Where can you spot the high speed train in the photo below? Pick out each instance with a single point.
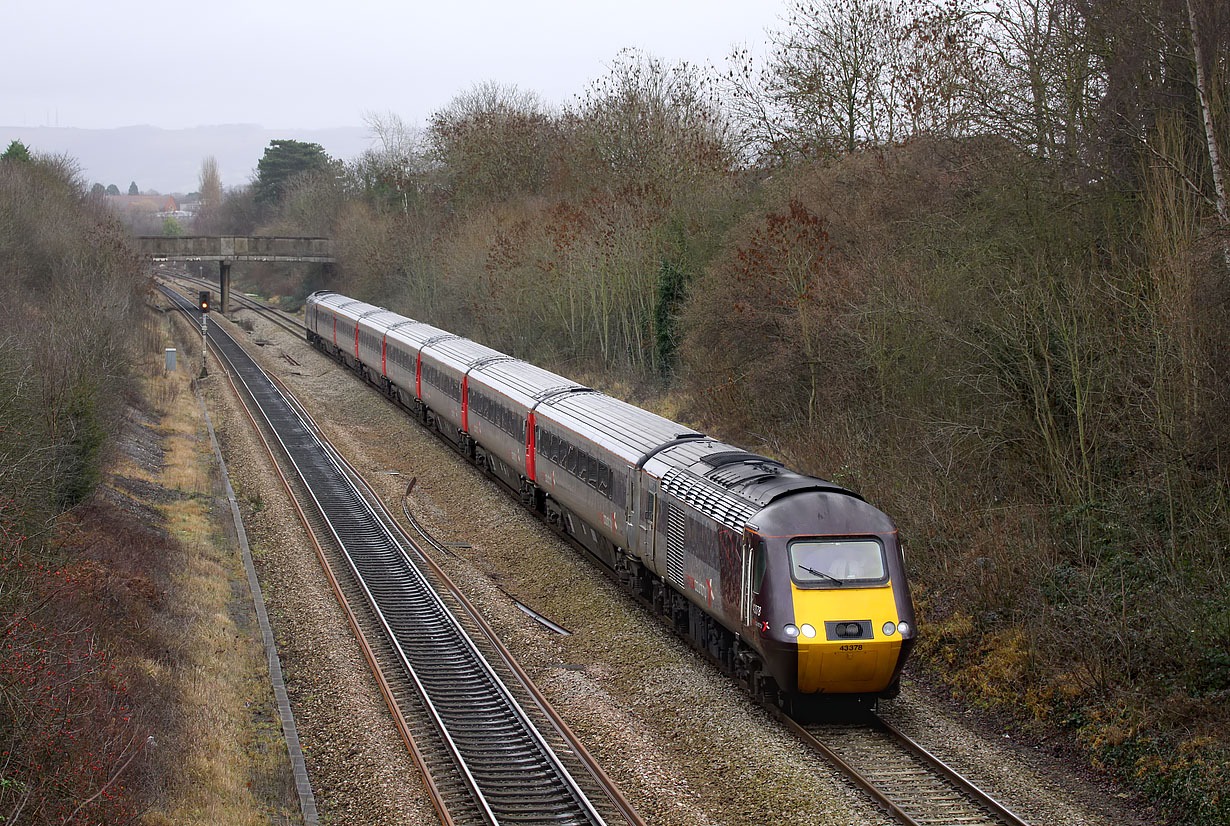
(794, 585)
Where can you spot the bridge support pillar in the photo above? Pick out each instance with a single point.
(224, 286)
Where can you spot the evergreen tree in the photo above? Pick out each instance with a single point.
(17, 151)
(283, 161)
(132, 189)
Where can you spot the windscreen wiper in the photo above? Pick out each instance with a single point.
(821, 573)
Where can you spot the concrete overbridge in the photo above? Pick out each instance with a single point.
(227, 249)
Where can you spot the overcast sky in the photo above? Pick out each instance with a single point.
(311, 64)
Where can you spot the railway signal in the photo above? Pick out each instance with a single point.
(204, 301)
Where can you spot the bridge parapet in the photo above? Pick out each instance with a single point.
(236, 248)
(227, 249)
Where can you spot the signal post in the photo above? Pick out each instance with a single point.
(203, 305)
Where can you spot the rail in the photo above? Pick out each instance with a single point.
(506, 763)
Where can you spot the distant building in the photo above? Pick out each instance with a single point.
(131, 205)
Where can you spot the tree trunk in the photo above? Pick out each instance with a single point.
(1206, 109)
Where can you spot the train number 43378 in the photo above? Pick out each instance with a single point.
(851, 648)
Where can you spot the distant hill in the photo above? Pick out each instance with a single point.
(169, 160)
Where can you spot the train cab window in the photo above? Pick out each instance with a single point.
(834, 563)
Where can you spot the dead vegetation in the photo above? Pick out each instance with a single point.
(130, 688)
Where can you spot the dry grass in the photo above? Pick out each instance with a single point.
(232, 758)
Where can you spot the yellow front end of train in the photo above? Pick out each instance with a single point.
(847, 624)
(840, 659)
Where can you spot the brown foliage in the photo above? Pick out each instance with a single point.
(1027, 387)
(70, 303)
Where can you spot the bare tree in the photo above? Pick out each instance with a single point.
(648, 122)
(210, 188)
(936, 61)
(394, 172)
(850, 73)
(1043, 81)
(492, 142)
(827, 72)
(1205, 96)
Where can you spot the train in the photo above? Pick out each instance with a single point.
(793, 585)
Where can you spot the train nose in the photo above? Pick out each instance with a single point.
(855, 640)
(847, 657)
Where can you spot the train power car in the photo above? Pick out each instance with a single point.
(794, 585)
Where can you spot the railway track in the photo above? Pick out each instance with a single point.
(281, 318)
(903, 778)
(490, 748)
(900, 776)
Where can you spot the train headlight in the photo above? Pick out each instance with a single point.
(905, 629)
(809, 631)
(792, 630)
(890, 628)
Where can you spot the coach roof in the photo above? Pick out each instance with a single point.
(622, 428)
